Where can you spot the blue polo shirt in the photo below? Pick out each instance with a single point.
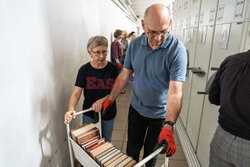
(153, 70)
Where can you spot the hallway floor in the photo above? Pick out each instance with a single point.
(119, 138)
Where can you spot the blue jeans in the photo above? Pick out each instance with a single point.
(107, 126)
(142, 131)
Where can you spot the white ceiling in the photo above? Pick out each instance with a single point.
(139, 6)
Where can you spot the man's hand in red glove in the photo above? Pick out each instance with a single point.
(106, 106)
(166, 137)
(119, 66)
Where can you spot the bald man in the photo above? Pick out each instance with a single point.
(159, 62)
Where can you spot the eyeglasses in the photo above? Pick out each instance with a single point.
(154, 33)
(98, 53)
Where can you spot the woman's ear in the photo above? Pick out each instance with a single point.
(90, 54)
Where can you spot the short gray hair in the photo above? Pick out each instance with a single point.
(96, 41)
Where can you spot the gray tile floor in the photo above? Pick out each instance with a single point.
(119, 137)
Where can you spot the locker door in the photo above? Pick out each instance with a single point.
(226, 44)
(208, 125)
(190, 47)
(194, 9)
(210, 112)
(202, 59)
(247, 43)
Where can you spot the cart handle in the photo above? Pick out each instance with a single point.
(78, 113)
(84, 111)
(149, 157)
(68, 133)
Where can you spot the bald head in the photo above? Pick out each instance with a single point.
(156, 24)
(157, 11)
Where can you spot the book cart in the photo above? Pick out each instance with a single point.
(86, 160)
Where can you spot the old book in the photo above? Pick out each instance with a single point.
(87, 135)
(76, 131)
(106, 159)
(105, 152)
(84, 146)
(131, 163)
(107, 156)
(90, 141)
(124, 162)
(93, 153)
(81, 130)
(117, 161)
(94, 144)
(113, 159)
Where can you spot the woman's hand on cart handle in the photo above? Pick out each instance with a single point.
(166, 138)
(68, 116)
(97, 106)
(106, 106)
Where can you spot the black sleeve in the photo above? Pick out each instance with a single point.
(214, 92)
(80, 79)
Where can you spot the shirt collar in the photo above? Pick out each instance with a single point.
(164, 44)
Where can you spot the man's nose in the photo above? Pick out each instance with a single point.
(157, 36)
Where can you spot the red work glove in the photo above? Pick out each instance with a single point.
(106, 106)
(119, 66)
(166, 137)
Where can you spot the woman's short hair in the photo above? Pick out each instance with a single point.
(96, 41)
(131, 33)
(117, 33)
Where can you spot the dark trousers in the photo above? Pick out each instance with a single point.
(142, 131)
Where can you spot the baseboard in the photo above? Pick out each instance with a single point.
(188, 150)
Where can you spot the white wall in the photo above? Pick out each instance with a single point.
(42, 45)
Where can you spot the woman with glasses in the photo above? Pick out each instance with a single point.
(95, 79)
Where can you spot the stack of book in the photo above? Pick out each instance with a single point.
(104, 153)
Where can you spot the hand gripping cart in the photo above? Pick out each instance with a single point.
(87, 161)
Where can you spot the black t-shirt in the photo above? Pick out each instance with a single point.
(97, 83)
(231, 90)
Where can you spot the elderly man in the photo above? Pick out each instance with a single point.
(159, 62)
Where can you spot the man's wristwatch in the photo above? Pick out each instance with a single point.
(168, 123)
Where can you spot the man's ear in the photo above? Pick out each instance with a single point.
(170, 22)
(143, 24)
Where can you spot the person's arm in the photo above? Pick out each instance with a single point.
(117, 60)
(97, 106)
(173, 109)
(214, 92)
(114, 53)
(174, 101)
(120, 83)
(118, 86)
(75, 96)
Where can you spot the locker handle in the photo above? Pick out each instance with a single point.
(197, 70)
(208, 85)
(214, 68)
(202, 93)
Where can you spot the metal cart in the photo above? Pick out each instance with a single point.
(87, 161)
